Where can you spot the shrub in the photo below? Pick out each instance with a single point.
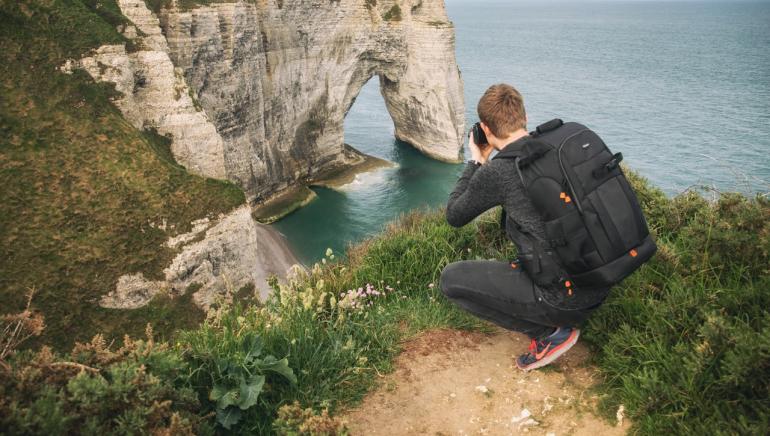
(229, 366)
(684, 342)
(134, 389)
(293, 420)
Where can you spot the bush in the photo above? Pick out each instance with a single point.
(96, 390)
(684, 342)
(230, 369)
(293, 420)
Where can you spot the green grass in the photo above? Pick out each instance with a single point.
(334, 351)
(683, 343)
(83, 190)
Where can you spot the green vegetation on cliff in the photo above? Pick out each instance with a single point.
(85, 194)
(683, 343)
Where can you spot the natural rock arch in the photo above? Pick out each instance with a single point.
(277, 79)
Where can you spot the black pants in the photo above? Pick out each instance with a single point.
(506, 296)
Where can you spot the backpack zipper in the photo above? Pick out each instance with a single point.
(564, 171)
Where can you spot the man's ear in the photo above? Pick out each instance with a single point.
(485, 128)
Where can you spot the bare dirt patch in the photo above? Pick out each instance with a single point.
(451, 382)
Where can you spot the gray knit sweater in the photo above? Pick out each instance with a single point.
(496, 183)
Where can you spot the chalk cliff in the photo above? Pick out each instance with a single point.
(217, 257)
(256, 92)
(154, 94)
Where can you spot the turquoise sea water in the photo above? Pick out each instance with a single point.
(681, 88)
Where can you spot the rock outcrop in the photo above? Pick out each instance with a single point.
(154, 94)
(256, 92)
(275, 78)
(217, 258)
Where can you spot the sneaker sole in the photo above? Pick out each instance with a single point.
(558, 351)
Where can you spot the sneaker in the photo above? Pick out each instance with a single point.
(548, 349)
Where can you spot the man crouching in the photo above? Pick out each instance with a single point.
(500, 291)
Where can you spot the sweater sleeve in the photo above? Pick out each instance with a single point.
(476, 191)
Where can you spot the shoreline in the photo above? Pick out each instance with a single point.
(275, 257)
(287, 201)
(339, 177)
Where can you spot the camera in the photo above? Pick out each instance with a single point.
(478, 135)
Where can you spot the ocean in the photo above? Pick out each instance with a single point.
(682, 89)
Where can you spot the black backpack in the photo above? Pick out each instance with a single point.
(596, 232)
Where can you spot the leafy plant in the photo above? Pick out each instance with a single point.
(136, 389)
(231, 368)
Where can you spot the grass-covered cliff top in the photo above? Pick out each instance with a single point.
(683, 343)
(84, 193)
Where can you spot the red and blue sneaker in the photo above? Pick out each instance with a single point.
(546, 350)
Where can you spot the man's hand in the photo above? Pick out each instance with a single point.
(479, 153)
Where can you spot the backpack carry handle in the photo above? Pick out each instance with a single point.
(550, 125)
(609, 166)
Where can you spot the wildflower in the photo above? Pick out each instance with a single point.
(430, 285)
(329, 252)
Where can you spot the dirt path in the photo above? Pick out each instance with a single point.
(449, 382)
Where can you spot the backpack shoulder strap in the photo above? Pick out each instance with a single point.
(533, 147)
(532, 150)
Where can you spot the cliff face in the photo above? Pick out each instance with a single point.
(216, 258)
(276, 78)
(154, 92)
(256, 92)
